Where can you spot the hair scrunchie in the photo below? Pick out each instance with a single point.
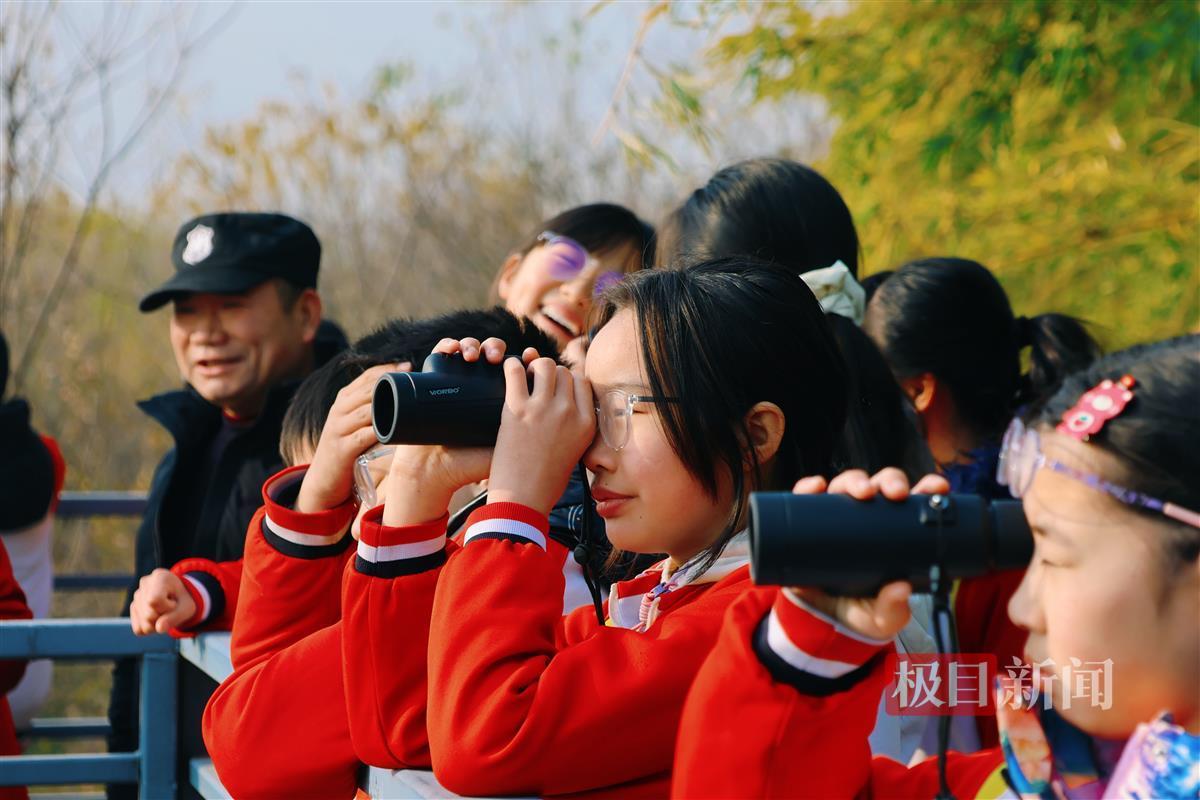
(837, 291)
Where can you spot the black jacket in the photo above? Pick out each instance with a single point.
(226, 504)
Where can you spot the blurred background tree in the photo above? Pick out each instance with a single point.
(1055, 142)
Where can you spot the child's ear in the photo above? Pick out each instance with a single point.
(512, 265)
(765, 424)
(921, 390)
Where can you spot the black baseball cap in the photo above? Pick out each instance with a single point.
(233, 252)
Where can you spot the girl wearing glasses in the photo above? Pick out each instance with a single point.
(677, 427)
(1109, 475)
(554, 276)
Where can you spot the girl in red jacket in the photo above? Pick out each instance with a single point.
(522, 700)
(1110, 480)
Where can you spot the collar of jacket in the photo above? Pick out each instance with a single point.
(187, 416)
(625, 597)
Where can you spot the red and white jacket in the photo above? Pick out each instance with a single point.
(523, 700)
(278, 725)
(319, 685)
(783, 707)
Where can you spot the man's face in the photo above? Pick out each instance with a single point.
(233, 347)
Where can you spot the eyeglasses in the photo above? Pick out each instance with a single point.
(1021, 457)
(369, 471)
(568, 259)
(614, 410)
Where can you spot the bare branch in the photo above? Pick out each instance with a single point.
(85, 220)
(631, 60)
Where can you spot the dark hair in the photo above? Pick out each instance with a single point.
(769, 208)
(599, 227)
(289, 293)
(399, 340)
(881, 426)
(1155, 437)
(775, 345)
(872, 282)
(950, 317)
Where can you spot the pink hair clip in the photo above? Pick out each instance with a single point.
(1097, 406)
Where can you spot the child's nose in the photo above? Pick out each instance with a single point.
(1024, 607)
(578, 292)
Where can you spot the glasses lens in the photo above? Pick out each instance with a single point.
(1029, 458)
(606, 281)
(369, 471)
(1008, 457)
(566, 258)
(614, 419)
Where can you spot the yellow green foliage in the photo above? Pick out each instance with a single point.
(1055, 142)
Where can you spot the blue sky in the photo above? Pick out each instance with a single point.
(515, 54)
(272, 50)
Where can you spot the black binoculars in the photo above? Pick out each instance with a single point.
(449, 402)
(851, 548)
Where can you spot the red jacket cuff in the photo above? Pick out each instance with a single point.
(203, 609)
(381, 543)
(511, 521)
(316, 529)
(812, 642)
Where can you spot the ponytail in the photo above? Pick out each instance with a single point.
(1058, 346)
(951, 318)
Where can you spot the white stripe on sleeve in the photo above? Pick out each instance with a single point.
(782, 646)
(399, 552)
(205, 597)
(509, 527)
(304, 539)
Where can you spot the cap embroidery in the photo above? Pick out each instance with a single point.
(199, 244)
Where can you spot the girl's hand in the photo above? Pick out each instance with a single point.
(543, 432)
(471, 348)
(422, 478)
(346, 435)
(883, 616)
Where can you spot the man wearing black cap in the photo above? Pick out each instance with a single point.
(245, 329)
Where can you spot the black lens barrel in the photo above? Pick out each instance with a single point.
(449, 402)
(851, 548)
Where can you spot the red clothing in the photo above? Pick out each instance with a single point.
(364, 680)
(981, 614)
(12, 606)
(783, 708)
(525, 701)
(265, 738)
(214, 587)
(277, 726)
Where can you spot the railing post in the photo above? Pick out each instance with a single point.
(157, 729)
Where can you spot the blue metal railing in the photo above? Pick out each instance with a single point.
(152, 765)
(79, 505)
(100, 504)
